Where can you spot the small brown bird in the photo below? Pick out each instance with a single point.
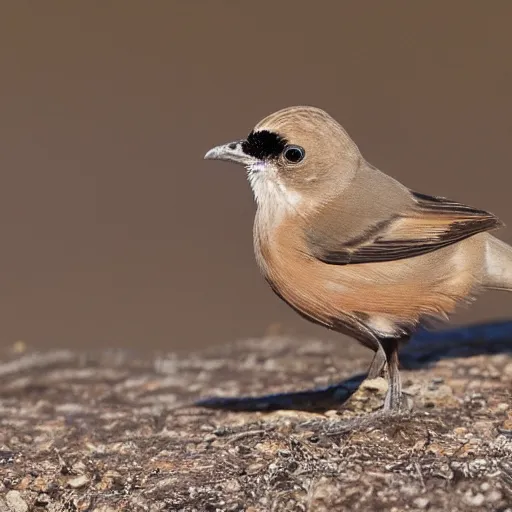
(349, 247)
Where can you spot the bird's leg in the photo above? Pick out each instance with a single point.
(393, 400)
(378, 362)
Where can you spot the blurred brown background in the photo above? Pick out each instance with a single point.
(114, 231)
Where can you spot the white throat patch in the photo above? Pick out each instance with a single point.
(269, 191)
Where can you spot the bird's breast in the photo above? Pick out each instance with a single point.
(295, 275)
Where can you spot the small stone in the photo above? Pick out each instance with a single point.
(421, 503)
(254, 468)
(378, 384)
(15, 502)
(221, 431)
(474, 500)
(494, 496)
(79, 481)
(231, 486)
(477, 466)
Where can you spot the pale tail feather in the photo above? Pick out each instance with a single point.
(498, 265)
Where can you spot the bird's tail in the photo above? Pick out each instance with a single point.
(498, 265)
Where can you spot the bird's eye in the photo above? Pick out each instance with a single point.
(294, 154)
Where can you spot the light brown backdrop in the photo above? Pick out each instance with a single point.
(114, 231)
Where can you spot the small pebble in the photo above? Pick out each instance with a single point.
(378, 384)
(421, 502)
(494, 496)
(231, 486)
(254, 468)
(474, 500)
(79, 481)
(15, 502)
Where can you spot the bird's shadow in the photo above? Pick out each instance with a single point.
(425, 349)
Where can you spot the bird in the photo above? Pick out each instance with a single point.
(351, 248)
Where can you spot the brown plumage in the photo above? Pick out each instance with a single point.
(349, 247)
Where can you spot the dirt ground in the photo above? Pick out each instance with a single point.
(116, 430)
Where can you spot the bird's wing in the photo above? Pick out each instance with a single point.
(423, 224)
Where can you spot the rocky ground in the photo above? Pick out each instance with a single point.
(117, 431)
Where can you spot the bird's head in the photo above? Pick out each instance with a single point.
(295, 153)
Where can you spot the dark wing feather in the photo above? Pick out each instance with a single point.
(429, 224)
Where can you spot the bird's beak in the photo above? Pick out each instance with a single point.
(231, 152)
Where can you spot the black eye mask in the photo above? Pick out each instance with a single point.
(264, 145)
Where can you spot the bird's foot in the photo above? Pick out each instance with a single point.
(396, 403)
(372, 420)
